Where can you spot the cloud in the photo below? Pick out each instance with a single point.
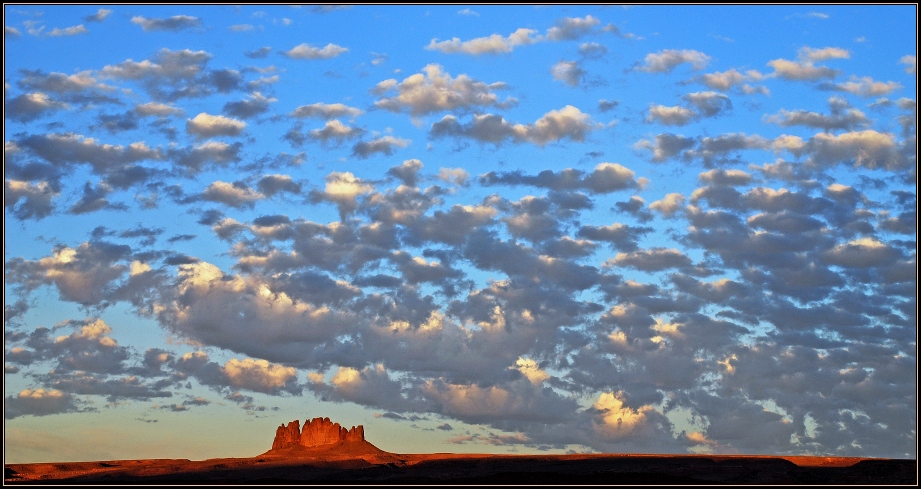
(384, 145)
(456, 176)
(206, 126)
(39, 402)
(259, 375)
(235, 194)
(68, 31)
(655, 259)
(30, 106)
(9, 31)
(241, 28)
(99, 16)
(668, 205)
(326, 111)
(94, 199)
(868, 149)
(910, 62)
(728, 80)
(792, 70)
(370, 386)
(804, 69)
(572, 28)
(172, 75)
(407, 172)
(621, 236)
(700, 104)
(568, 72)
(86, 275)
(336, 131)
(80, 88)
(667, 60)
(175, 23)
(592, 50)
(607, 105)
(260, 53)
(708, 104)
(672, 116)
(434, 90)
(493, 44)
(838, 120)
(343, 189)
(861, 253)
(812, 55)
(467, 11)
(566, 123)
(286, 326)
(720, 176)
(665, 146)
(520, 401)
(306, 51)
(157, 109)
(865, 87)
(270, 185)
(206, 154)
(255, 105)
(28, 200)
(64, 149)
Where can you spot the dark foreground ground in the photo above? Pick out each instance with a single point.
(387, 468)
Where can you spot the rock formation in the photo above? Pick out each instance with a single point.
(317, 432)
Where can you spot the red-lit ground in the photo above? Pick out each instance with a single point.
(362, 462)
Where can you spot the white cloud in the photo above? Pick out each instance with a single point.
(326, 111)
(30, 106)
(667, 60)
(174, 23)
(306, 51)
(335, 131)
(653, 259)
(572, 28)
(568, 72)
(493, 44)
(232, 194)
(910, 62)
(435, 90)
(206, 125)
(868, 87)
(566, 123)
(668, 205)
(258, 375)
(68, 31)
(793, 70)
(726, 80)
(99, 16)
(672, 116)
(157, 109)
(38, 402)
(812, 55)
(384, 145)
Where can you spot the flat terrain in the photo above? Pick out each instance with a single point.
(349, 464)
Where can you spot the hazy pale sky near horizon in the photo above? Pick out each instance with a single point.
(656, 229)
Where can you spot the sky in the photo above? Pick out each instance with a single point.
(512, 229)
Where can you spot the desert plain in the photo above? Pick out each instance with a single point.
(325, 453)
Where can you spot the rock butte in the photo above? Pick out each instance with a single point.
(317, 432)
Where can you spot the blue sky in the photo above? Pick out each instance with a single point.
(504, 229)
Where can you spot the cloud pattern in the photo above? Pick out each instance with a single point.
(769, 308)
